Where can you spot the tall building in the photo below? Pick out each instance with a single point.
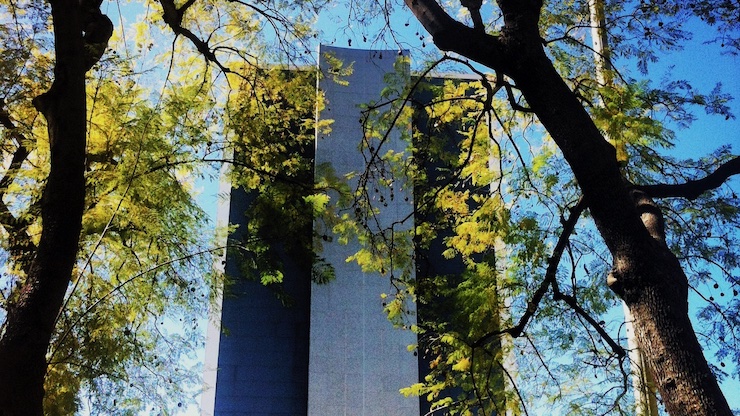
(332, 351)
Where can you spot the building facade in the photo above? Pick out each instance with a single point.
(332, 351)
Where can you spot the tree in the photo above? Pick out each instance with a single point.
(61, 181)
(121, 231)
(105, 249)
(30, 317)
(532, 50)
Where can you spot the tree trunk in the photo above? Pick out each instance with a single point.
(646, 275)
(31, 316)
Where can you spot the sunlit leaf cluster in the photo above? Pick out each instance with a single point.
(271, 131)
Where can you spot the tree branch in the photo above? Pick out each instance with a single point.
(510, 95)
(518, 53)
(473, 7)
(20, 245)
(694, 188)
(447, 33)
(573, 303)
(118, 287)
(172, 16)
(19, 156)
(549, 280)
(21, 153)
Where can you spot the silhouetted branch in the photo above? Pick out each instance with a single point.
(573, 303)
(170, 262)
(693, 189)
(20, 245)
(172, 16)
(549, 280)
(21, 153)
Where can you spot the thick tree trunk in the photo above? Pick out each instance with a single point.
(684, 379)
(646, 274)
(32, 315)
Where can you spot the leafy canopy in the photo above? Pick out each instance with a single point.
(160, 120)
(519, 317)
(493, 197)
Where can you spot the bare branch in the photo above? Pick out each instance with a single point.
(20, 244)
(549, 280)
(172, 16)
(695, 188)
(19, 156)
(514, 386)
(568, 227)
(573, 303)
(510, 95)
(447, 32)
(473, 7)
(185, 257)
(21, 153)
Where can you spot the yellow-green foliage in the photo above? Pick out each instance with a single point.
(159, 118)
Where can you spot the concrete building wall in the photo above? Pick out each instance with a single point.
(333, 352)
(263, 345)
(358, 361)
(213, 328)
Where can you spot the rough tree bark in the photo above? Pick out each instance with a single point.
(80, 33)
(646, 275)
